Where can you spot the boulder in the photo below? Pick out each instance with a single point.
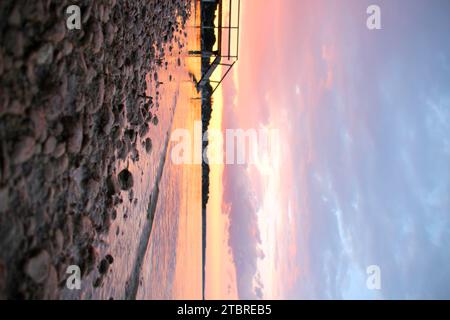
(125, 180)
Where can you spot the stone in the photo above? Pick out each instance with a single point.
(31, 228)
(110, 33)
(100, 93)
(4, 199)
(51, 285)
(59, 150)
(93, 188)
(75, 140)
(38, 267)
(39, 124)
(2, 280)
(50, 145)
(15, 18)
(61, 165)
(125, 180)
(68, 231)
(113, 186)
(98, 39)
(57, 33)
(58, 241)
(68, 48)
(23, 150)
(45, 54)
(90, 257)
(143, 131)
(85, 228)
(109, 258)
(109, 122)
(78, 176)
(148, 145)
(15, 42)
(98, 282)
(103, 266)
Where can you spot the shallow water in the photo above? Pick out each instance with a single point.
(173, 260)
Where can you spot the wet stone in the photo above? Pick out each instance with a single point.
(125, 180)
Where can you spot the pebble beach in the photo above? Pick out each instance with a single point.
(74, 104)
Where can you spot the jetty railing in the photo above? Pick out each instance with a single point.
(227, 42)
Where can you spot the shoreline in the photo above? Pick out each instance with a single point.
(133, 282)
(208, 40)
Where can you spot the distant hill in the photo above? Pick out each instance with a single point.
(208, 39)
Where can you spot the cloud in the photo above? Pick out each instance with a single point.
(366, 168)
(244, 238)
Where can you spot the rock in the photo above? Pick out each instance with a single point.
(53, 107)
(131, 136)
(68, 48)
(98, 282)
(92, 189)
(110, 33)
(68, 231)
(23, 150)
(50, 145)
(15, 18)
(109, 258)
(59, 150)
(85, 228)
(90, 74)
(103, 266)
(58, 130)
(91, 257)
(112, 185)
(122, 150)
(155, 120)
(2, 280)
(57, 33)
(10, 230)
(58, 241)
(16, 108)
(15, 43)
(61, 165)
(38, 149)
(38, 267)
(78, 176)
(31, 228)
(75, 140)
(148, 145)
(125, 180)
(98, 39)
(45, 54)
(4, 199)
(109, 122)
(114, 214)
(110, 92)
(134, 154)
(144, 130)
(100, 93)
(39, 124)
(51, 285)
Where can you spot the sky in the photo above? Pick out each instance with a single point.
(362, 172)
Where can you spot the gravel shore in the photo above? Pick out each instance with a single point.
(72, 103)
